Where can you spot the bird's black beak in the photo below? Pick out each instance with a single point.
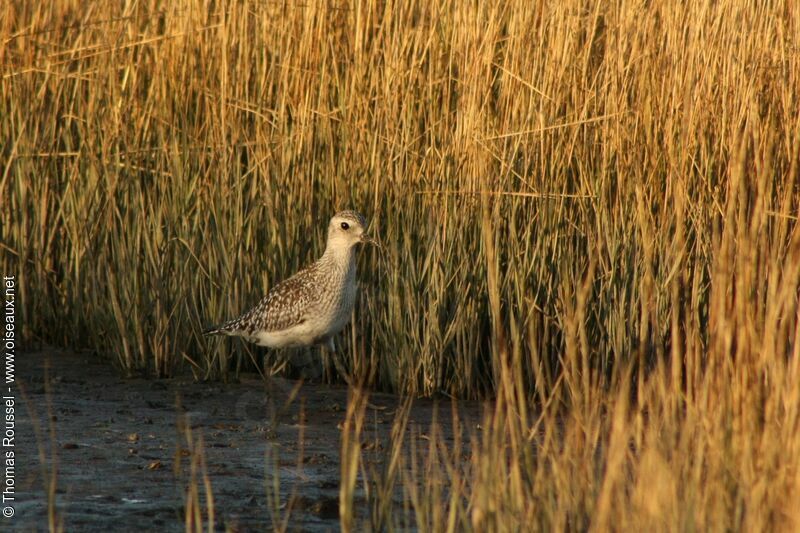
(366, 239)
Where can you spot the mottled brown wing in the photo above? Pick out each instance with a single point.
(284, 306)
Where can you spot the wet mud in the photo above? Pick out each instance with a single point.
(99, 452)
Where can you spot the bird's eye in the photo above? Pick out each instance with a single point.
(345, 226)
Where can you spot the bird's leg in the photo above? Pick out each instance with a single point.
(327, 371)
(338, 363)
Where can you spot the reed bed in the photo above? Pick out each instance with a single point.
(588, 211)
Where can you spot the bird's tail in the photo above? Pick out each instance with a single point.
(221, 329)
(226, 328)
(213, 330)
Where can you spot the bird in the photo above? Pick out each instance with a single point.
(312, 306)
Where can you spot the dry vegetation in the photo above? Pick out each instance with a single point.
(589, 211)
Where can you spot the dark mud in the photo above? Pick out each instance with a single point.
(120, 453)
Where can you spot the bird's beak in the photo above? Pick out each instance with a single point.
(366, 239)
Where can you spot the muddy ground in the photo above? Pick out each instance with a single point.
(118, 447)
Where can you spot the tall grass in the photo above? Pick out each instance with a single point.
(588, 210)
(165, 163)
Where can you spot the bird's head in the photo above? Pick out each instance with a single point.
(348, 228)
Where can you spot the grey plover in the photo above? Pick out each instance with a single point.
(315, 304)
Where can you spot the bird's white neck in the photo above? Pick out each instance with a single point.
(343, 256)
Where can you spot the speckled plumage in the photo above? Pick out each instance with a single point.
(314, 304)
